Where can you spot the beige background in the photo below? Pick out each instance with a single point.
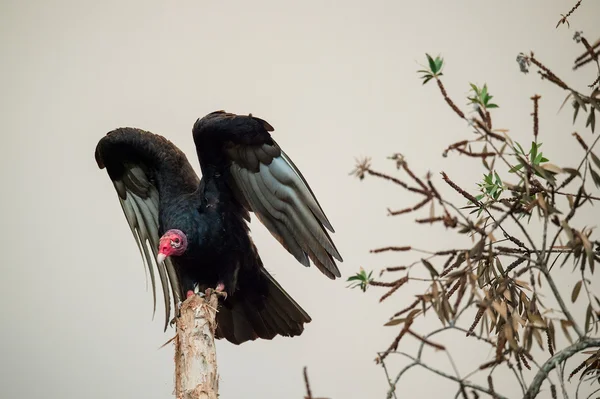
(336, 79)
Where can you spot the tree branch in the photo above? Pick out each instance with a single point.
(561, 303)
(560, 357)
(417, 362)
(195, 353)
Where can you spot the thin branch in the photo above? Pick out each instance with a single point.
(426, 341)
(417, 362)
(449, 100)
(307, 384)
(564, 19)
(561, 303)
(583, 58)
(392, 392)
(536, 120)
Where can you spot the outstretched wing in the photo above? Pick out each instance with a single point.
(271, 186)
(137, 162)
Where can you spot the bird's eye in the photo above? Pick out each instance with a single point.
(176, 240)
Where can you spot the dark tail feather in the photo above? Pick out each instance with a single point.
(247, 316)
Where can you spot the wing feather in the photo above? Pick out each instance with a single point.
(133, 159)
(142, 227)
(296, 205)
(283, 202)
(281, 168)
(132, 222)
(276, 226)
(299, 226)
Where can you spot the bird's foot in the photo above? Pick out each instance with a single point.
(219, 290)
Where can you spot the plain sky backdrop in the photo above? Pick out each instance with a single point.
(337, 80)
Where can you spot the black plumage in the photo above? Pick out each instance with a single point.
(243, 171)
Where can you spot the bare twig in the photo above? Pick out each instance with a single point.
(307, 384)
(536, 119)
(448, 99)
(583, 59)
(418, 362)
(565, 17)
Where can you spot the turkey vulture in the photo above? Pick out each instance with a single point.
(195, 232)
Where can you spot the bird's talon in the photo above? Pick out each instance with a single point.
(220, 290)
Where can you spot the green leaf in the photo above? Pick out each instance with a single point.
(522, 151)
(498, 179)
(431, 63)
(438, 63)
(576, 111)
(533, 150)
(576, 291)
(516, 168)
(491, 106)
(488, 179)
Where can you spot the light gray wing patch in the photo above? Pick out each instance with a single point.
(280, 197)
(142, 217)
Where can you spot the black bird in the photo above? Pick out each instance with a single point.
(195, 232)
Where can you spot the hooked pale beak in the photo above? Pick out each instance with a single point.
(160, 258)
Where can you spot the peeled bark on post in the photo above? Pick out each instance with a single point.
(195, 353)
